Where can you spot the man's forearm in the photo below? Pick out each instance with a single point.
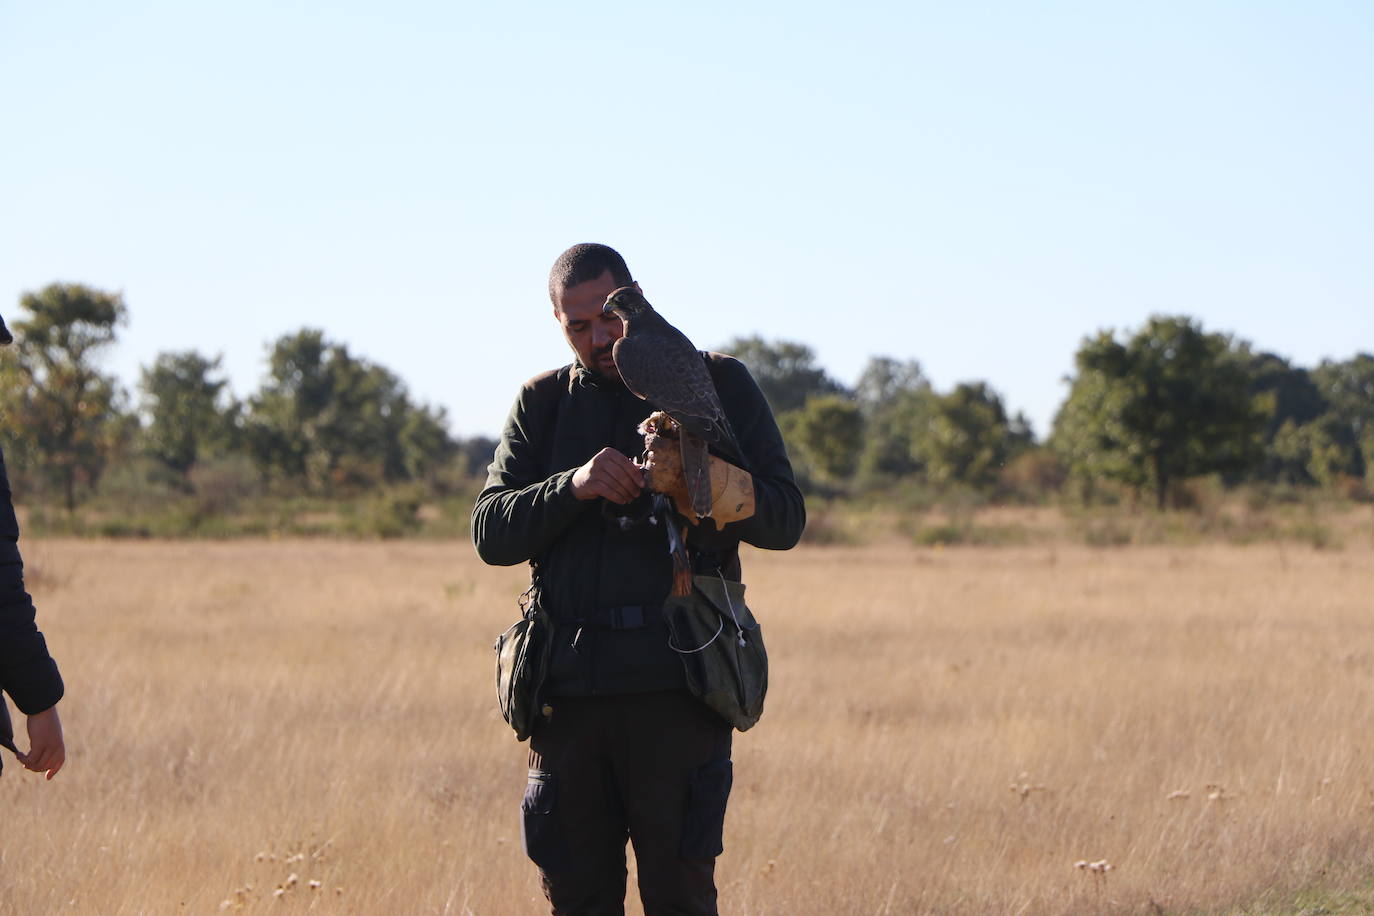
(779, 515)
(779, 510)
(512, 525)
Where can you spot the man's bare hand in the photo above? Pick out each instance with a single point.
(47, 751)
(609, 475)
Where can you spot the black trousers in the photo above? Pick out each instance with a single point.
(653, 768)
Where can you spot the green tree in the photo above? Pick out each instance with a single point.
(1291, 393)
(969, 438)
(61, 406)
(425, 442)
(1170, 403)
(474, 455)
(1316, 452)
(1348, 388)
(786, 371)
(1290, 399)
(885, 379)
(184, 403)
(895, 398)
(829, 431)
(330, 419)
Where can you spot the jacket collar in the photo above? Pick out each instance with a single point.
(582, 377)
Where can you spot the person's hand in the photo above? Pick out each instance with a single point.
(609, 475)
(47, 751)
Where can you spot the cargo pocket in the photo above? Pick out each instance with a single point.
(703, 827)
(539, 827)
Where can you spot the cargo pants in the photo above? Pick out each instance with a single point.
(653, 768)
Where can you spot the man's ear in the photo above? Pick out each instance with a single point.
(635, 284)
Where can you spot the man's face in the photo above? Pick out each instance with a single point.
(590, 333)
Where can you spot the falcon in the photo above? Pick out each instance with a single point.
(660, 365)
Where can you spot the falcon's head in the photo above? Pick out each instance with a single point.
(626, 302)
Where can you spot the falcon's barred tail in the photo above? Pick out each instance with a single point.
(677, 546)
(696, 471)
(682, 568)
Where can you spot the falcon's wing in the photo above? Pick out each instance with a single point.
(696, 472)
(661, 365)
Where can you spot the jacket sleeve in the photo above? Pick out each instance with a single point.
(779, 510)
(520, 511)
(27, 672)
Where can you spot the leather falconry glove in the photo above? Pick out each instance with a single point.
(732, 487)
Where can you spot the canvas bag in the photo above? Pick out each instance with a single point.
(522, 660)
(721, 647)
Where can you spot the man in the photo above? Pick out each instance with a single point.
(27, 673)
(624, 751)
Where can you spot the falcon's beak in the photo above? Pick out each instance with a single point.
(608, 308)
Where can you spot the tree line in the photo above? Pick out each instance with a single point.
(324, 421)
(1145, 410)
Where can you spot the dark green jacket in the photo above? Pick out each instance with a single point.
(27, 673)
(586, 562)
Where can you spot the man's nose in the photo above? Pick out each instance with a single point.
(604, 332)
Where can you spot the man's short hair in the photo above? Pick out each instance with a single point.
(584, 262)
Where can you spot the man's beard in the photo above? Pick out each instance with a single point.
(600, 359)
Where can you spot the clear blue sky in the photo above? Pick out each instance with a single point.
(975, 186)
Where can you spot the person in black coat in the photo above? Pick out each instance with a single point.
(622, 750)
(27, 672)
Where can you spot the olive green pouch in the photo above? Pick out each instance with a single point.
(721, 647)
(522, 661)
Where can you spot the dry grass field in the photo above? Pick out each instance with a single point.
(949, 731)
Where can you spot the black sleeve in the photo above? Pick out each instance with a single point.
(779, 510)
(27, 672)
(521, 511)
